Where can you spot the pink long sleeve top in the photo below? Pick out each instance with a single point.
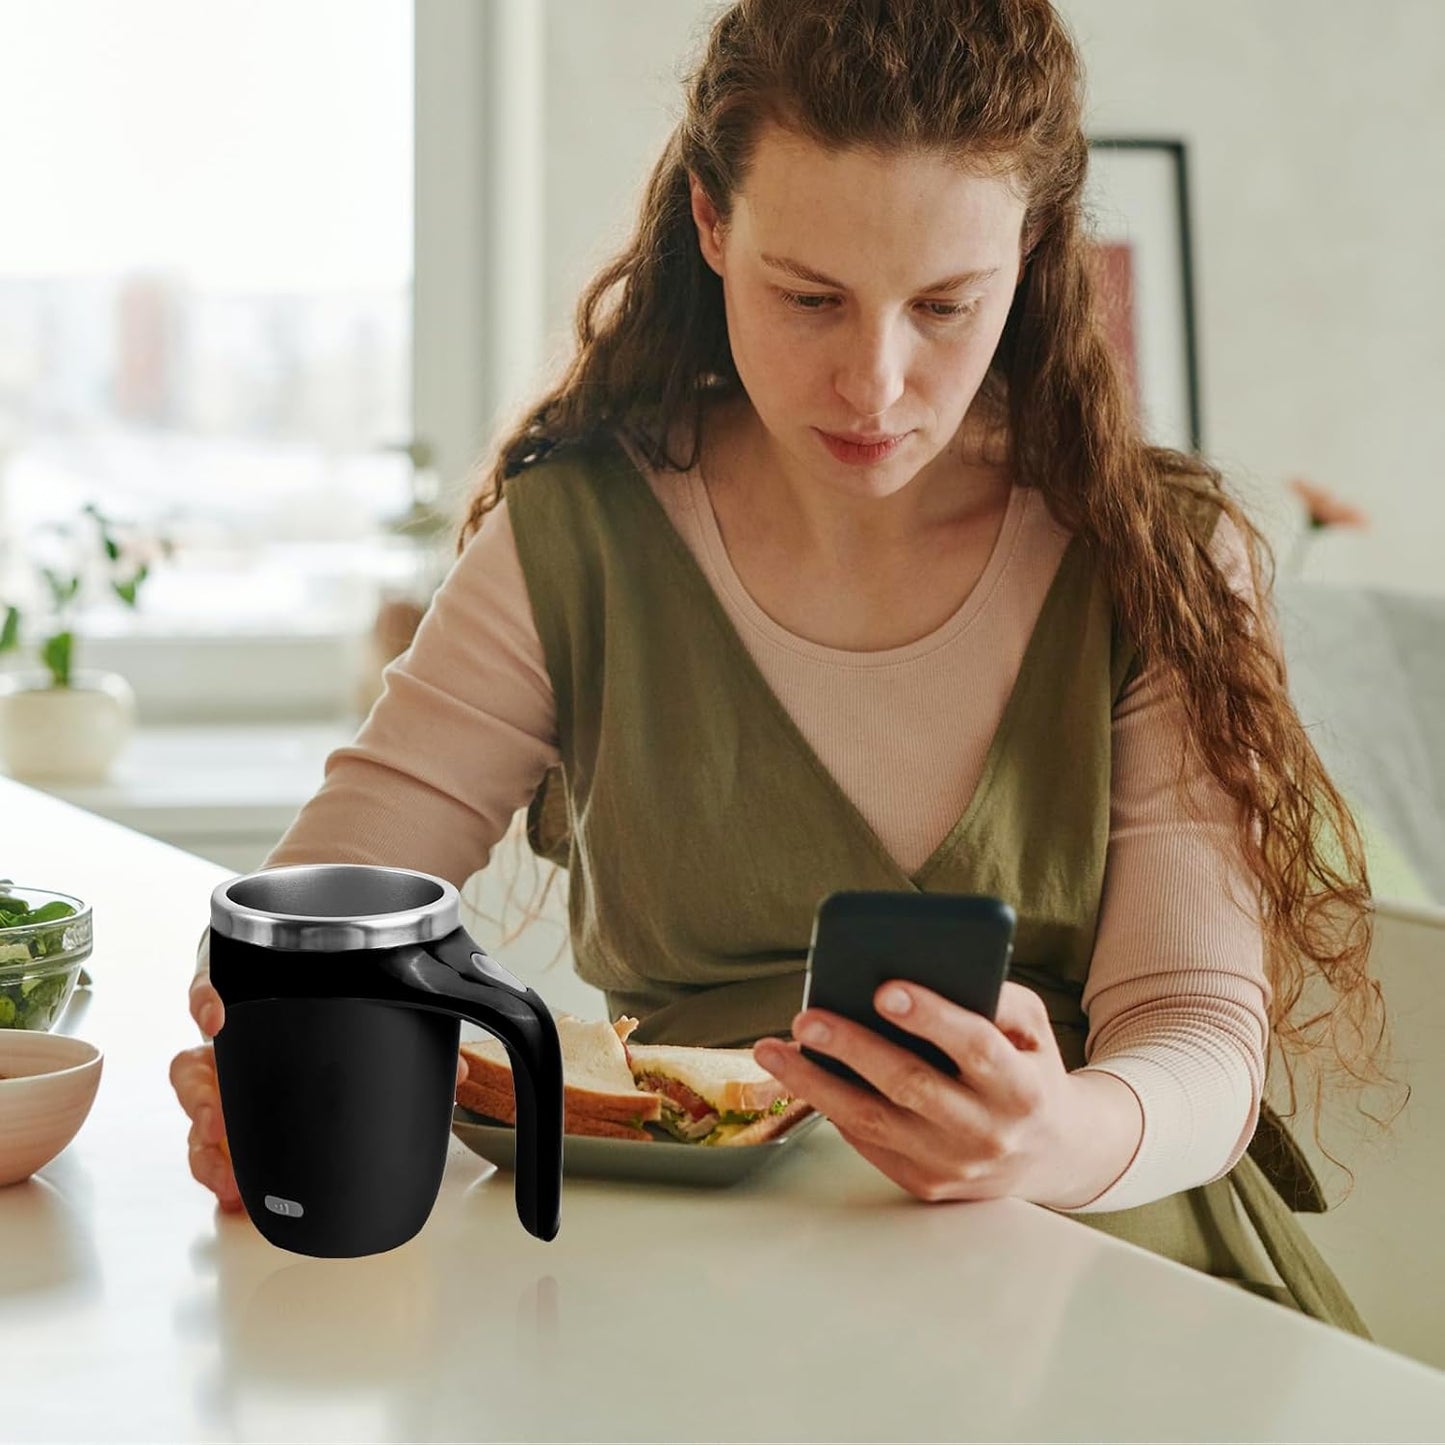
(1177, 997)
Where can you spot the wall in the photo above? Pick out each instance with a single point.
(1315, 133)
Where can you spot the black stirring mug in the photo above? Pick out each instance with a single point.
(344, 987)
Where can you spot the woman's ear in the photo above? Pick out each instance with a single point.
(709, 224)
(1029, 236)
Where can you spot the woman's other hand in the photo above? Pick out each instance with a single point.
(193, 1076)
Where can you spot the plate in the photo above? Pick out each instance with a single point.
(664, 1161)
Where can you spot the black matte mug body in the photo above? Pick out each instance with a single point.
(337, 1080)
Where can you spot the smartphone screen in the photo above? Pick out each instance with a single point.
(957, 944)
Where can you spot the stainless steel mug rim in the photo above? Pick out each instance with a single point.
(311, 932)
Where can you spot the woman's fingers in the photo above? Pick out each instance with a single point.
(193, 1076)
(203, 1137)
(211, 1167)
(191, 1070)
(206, 1006)
(209, 1125)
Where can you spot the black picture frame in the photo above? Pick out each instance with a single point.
(1138, 212)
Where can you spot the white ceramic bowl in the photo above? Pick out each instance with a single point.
(47, 1085)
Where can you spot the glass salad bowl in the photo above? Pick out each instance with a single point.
(45, 937)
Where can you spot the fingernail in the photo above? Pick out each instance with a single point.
(896, 1001)
(769, 1055)
(815, 1032)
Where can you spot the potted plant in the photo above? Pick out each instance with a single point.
(60, 722)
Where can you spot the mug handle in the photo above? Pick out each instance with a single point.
(468, 982)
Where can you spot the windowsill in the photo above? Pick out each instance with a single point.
(238, 776)
(233, 678)
(284, 637)
(225, 791)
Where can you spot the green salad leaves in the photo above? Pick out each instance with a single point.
(32, 1002)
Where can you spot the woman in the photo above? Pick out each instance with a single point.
(837, 560)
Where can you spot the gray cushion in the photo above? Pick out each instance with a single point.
(1367, 673)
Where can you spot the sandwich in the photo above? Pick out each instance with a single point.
(598, 1093)
(613, 1089)
(714, 1096)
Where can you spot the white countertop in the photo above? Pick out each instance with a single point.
(816, 1300)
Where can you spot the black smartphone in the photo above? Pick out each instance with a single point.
(957, 944)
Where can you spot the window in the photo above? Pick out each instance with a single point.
(206, 286)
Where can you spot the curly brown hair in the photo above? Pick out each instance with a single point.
(998, 86)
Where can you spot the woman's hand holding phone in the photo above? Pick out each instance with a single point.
(1007, 1126)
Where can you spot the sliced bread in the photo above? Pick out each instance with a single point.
(597, 1084)
(731, 1080)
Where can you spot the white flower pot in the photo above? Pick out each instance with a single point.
(64, 734)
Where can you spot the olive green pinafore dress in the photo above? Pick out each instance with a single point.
(700, 830)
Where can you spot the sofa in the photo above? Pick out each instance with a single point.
(1367, 672)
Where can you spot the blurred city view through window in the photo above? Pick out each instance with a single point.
(205, 289)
